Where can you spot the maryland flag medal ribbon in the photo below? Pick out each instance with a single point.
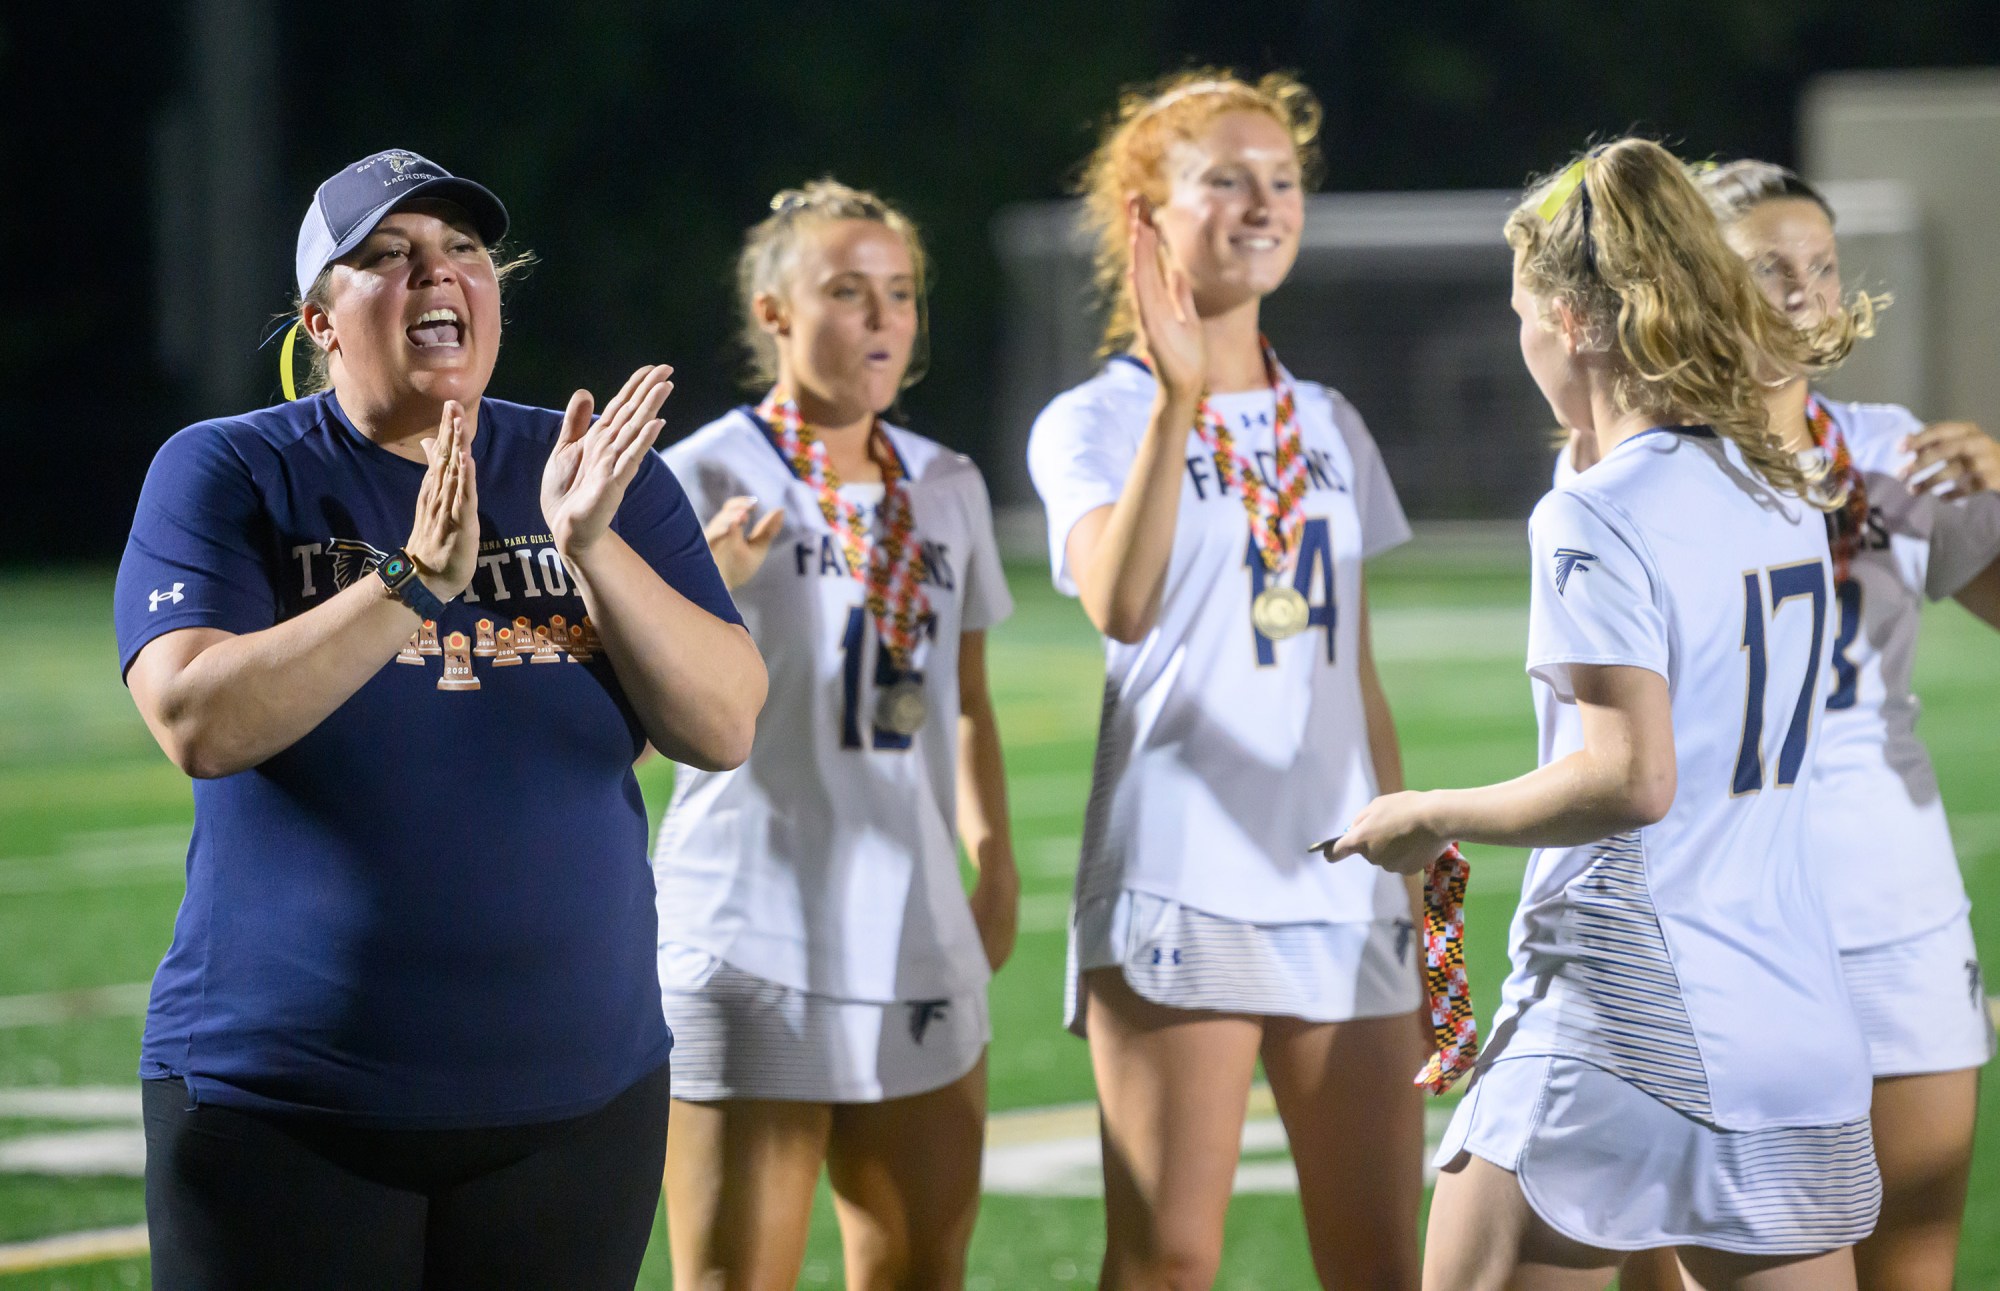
(1845, 524)
(1445, 985)
(1276, 515)
(886, 560)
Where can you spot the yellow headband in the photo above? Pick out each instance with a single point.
(1566, 183)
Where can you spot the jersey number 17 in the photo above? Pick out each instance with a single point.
(1788, 582)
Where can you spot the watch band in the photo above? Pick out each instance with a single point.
(399, 573)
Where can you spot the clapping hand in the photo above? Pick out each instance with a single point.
(592, 463)
(739, 547)
(444, 540)
(1951, 460)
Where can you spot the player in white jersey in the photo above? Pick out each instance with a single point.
(1880, 844)
(1676, 1062)
(822, 968)
(1213, 513)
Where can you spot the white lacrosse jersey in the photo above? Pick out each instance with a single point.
(1555, 720)
(827, 862)
(1223, 755)
(1878, 824)
(1692, 957)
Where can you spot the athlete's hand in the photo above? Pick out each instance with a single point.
(996, 907)
(1955, 459)
(444, 540)
(1394, 832)
(1169, 328)
(592, 463)
(738, 546)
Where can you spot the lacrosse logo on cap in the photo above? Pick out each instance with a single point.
(348, 206)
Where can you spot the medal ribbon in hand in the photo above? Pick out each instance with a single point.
(1275, 516)
(1845, 525)
(1445, 986)
(891, 570)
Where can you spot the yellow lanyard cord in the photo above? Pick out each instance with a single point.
(285, 363)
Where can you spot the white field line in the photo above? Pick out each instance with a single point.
(1043, 1151)
(1474, 632)
(83, 1005)
(107, 858)
(92, 1247)
(73, 1103)
(1056, 1151)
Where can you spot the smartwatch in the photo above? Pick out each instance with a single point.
(399, 573)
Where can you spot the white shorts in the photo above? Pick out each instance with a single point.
(1184, 958)
(738, 1036)
(1610, 1166)
(1921, 1002)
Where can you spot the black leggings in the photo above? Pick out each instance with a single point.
(246, 1202)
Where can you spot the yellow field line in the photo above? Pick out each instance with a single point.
(73, 1248)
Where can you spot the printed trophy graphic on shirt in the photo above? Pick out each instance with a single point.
(482, 642)
(591, 645)
(427, 638)
(504, 655)
(524, 638)
(579, 644)
(408, 654)
(545, 649)
(458, 664)
(559, 631)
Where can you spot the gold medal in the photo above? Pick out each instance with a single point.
(1280, 611)
(901, 708)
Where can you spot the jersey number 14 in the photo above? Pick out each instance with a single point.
(1313, 566)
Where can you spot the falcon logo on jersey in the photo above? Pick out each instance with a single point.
(1406, 931)
(352, 558)
(173, 594)
(925, 1012)
(1570, 561)
(1976, 982)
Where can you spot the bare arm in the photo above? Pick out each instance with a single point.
(1622, 778)
(982, 805)
(222, 702)
(696, 682)
(1118, 554)
(1385, 751)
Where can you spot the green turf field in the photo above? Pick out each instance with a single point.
(93, 825)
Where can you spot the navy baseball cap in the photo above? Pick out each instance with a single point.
(347, 207)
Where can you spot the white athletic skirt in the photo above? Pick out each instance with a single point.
(1609, 1166)
(739, 1036)
(1921, 1002)
(1189, 959)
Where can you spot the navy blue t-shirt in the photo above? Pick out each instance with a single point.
(435, 909)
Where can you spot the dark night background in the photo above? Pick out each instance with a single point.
(633, 144)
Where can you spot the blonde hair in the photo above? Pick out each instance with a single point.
(1148, 121)
(1626, 239)
(507, 266)
(771, 251)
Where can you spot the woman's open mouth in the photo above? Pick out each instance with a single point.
(436, 329)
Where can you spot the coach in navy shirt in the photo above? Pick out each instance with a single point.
(408, 640)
